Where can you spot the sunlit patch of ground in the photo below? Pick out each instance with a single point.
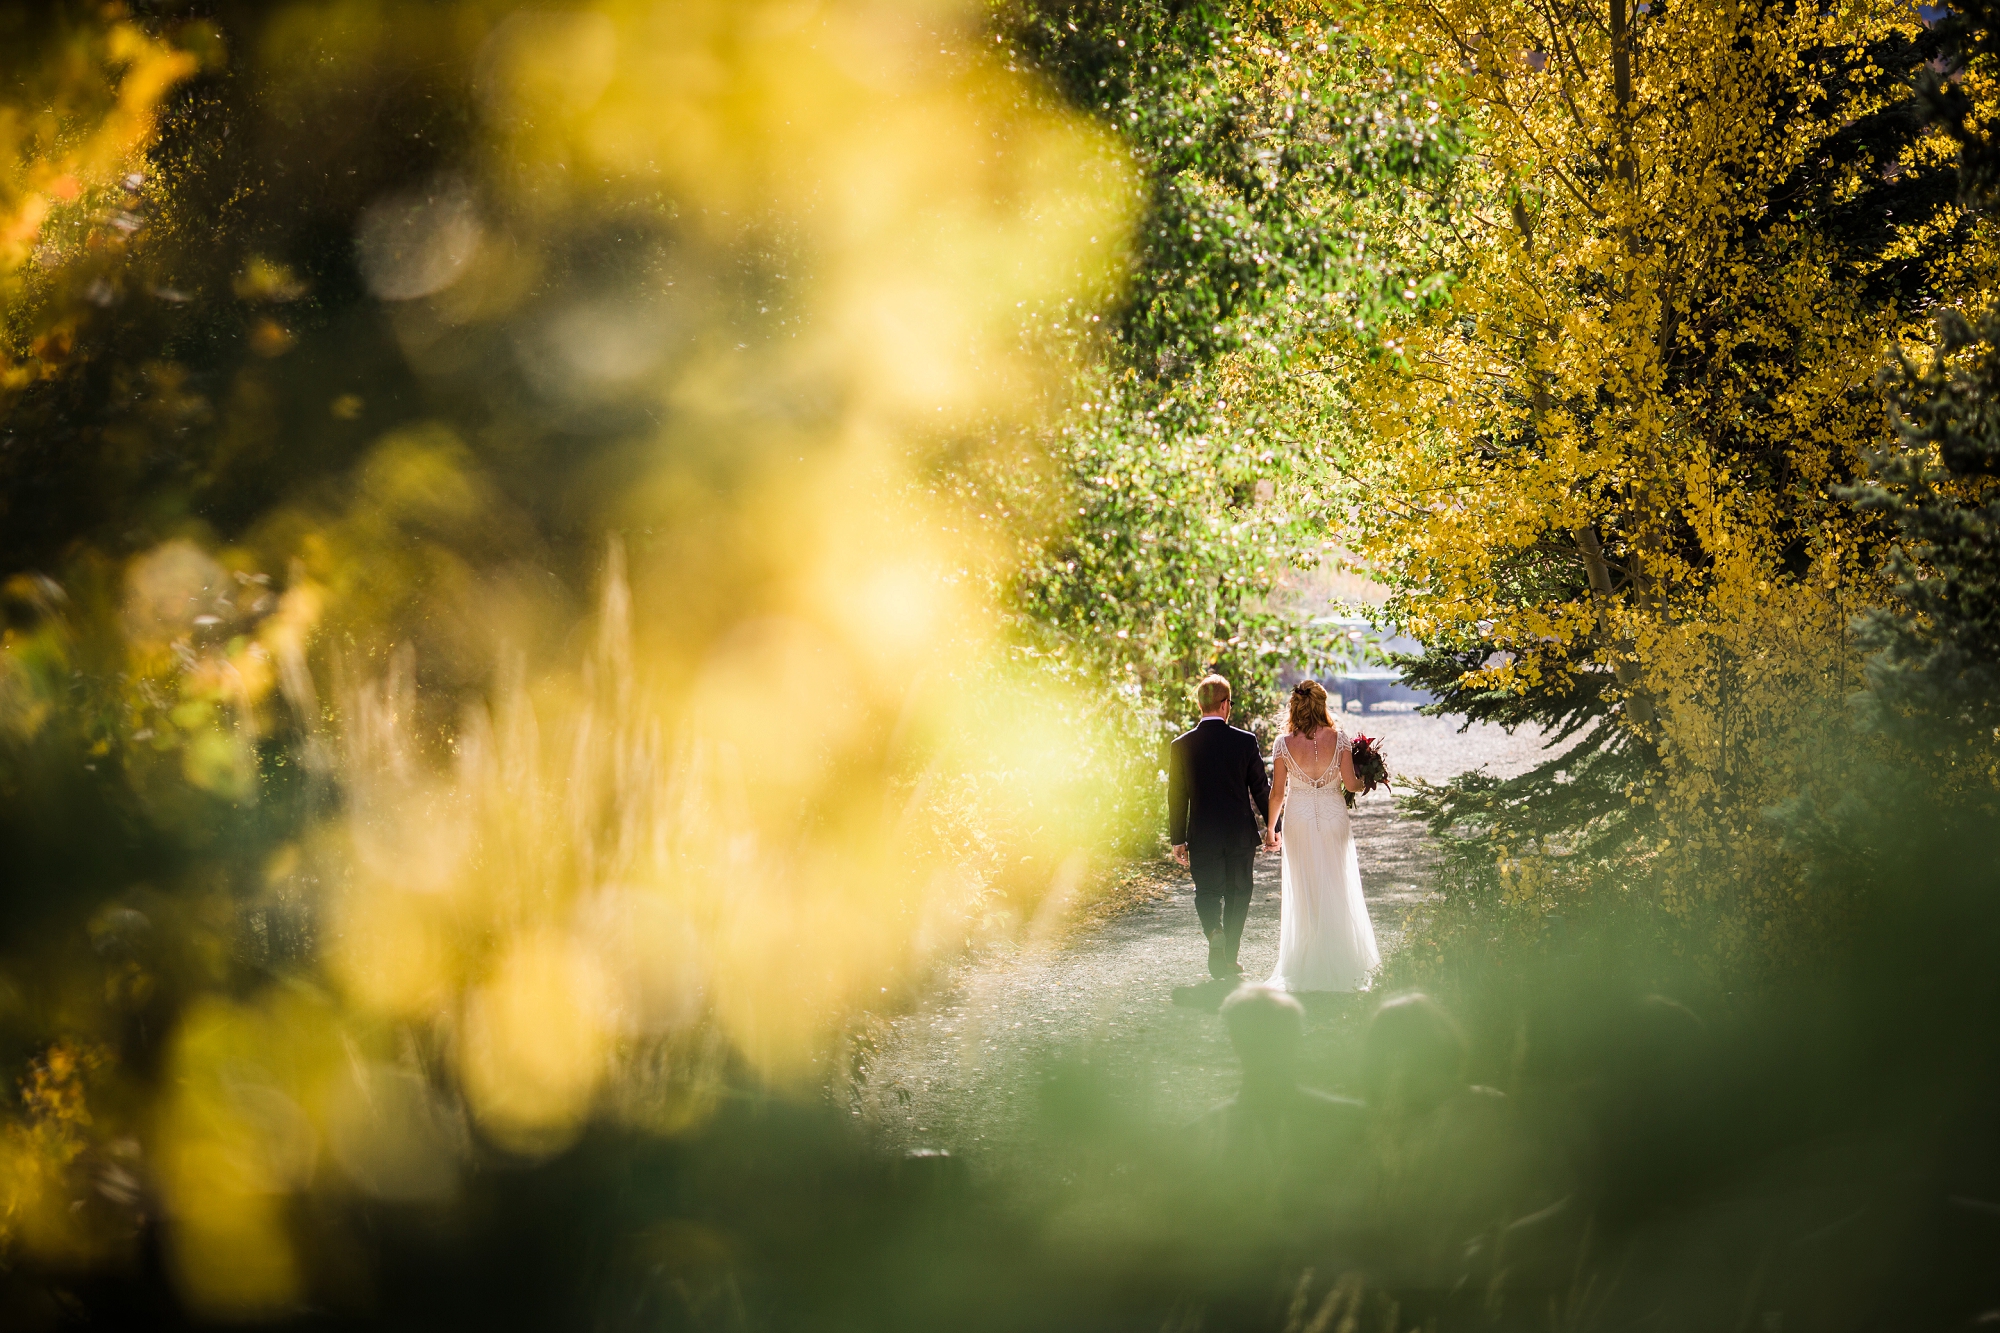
(967, 1068)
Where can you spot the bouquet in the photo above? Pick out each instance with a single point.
(1369, 766)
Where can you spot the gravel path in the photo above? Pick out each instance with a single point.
(1128, 998)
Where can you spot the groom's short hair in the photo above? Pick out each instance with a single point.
(1212, 693)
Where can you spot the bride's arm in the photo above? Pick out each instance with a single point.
(1347, 778)
(1277, 796)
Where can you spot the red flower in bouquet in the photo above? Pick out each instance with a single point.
(1369, 766)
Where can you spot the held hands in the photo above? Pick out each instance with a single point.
(1273, 840)
(1181, 853)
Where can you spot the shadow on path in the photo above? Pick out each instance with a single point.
(1206, 996)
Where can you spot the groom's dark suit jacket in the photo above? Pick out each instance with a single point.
(1216, 788)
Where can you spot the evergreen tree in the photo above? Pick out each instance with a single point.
(1936, 672)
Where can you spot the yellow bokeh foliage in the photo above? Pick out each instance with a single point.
(577, 849)
(74, 127)
(38, 1152)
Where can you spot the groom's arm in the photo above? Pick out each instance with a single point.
(1260, 782)
(1177, 796)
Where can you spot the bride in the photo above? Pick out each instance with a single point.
(1325, 940)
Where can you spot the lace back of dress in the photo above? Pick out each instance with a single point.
(1332, 773)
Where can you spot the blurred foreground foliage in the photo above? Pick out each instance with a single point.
(485, 652)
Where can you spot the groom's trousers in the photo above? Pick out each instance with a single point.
(1222, 892)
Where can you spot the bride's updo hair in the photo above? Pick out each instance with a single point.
(1308, 713)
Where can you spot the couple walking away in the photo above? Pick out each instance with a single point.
(1216, 789)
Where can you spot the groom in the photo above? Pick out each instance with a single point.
(1216, 789)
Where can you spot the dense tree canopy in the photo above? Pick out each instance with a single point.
(1607, 477)
(1273, 144)
(1576, 348)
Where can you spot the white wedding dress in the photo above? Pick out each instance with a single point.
(1325, 939)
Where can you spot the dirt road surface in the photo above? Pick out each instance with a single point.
(1127, 998)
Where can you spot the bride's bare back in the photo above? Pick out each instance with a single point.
(1315, 754)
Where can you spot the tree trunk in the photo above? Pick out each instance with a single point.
(1625, 168)
(1638, 705)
